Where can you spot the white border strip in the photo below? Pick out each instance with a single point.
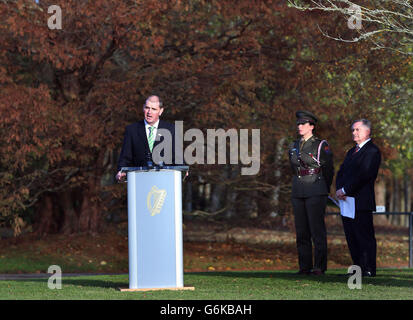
(132, 232)
(178, 229)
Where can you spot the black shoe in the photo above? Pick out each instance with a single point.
(303, 273)
(317, 273)
(368, 274)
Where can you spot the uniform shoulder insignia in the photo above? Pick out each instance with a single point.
(318, 140)
(326, 147)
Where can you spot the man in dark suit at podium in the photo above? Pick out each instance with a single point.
(356, 179)
(140, 137)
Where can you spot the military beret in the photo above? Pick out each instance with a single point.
(305, 116)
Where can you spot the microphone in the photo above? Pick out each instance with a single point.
(149, 162)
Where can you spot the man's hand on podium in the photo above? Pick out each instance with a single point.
(120, 176)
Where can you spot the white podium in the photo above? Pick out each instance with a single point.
(155, 228)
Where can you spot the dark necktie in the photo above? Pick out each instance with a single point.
(356, 150)
(302, 144)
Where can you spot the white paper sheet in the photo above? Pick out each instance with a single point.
(348, 207)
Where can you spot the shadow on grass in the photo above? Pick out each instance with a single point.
(389, 278)
(79, 281)
(402, 279)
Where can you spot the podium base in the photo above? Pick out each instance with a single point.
(155, 289)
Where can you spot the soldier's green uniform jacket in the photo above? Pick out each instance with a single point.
(313, 172)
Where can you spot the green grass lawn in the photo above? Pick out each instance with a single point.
(390, 284)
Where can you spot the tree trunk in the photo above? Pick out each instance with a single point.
(218, 193)
(91, 207)
(380, 194)
(408, 193)
(46, 219)
(406, 197)
(89, 218)
(395, 219)
(274, 201)
(188, 197)
(248, 204)
(70, 219)
(231, 193)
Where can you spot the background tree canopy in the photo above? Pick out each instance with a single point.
(66, 96)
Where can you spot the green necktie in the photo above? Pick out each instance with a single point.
(151, 138)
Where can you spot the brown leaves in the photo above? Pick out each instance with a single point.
(67, 94)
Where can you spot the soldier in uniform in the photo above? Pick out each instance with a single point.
(313, 171)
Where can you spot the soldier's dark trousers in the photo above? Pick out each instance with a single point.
(310, 228)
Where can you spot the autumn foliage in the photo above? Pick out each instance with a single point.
(66, 96)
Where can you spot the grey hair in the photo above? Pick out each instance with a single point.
(365, 122)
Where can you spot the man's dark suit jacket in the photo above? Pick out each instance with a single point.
(135, 150)
(358, 173)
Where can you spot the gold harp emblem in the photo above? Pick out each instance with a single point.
(155, 200)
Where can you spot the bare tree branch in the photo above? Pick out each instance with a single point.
(388, 24)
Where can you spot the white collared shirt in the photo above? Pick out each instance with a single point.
(155, 130)
(363, 143)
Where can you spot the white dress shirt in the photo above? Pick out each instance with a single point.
(363, 143)
(155, 129)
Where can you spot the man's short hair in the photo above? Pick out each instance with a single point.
(365, 122)
(154, 95)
